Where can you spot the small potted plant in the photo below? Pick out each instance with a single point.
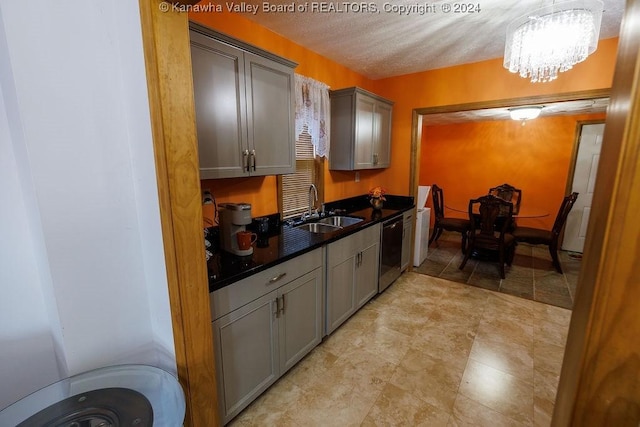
(376, 197)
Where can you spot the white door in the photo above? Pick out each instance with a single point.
(584, 179)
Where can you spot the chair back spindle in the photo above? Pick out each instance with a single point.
(509, 193)
(490, 218)
(563, 213)
(444, 223)
(538, 236)
(438, 201)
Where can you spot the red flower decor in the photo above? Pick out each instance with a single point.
(378, 193)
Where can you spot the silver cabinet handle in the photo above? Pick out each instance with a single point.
(282, 309)
(274, 279)
(245, 156)
(375, 159)
(253, 160)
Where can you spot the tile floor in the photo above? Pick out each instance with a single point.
(428, 352)
(531, 274)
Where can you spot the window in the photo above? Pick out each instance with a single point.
(312, 137)
(294, 188)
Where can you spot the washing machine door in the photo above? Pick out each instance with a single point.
(123, 395)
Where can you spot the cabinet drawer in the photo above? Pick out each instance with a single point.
(229, 298)
(370, 235)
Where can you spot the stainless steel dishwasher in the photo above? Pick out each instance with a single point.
(390, 251)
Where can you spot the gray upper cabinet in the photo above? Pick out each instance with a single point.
(360, 130)
(244, 101)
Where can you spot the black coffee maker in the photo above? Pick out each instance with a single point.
(262, 229)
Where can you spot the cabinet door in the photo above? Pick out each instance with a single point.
(246, 342)
(367, 274)
(220, 103)
(340, 293)
(300, 322)
(270, 116)
(365, 132)
(407, 230)
(341, 270)
(382, 151)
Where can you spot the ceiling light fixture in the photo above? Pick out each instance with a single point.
(525, 113)
(552, 39)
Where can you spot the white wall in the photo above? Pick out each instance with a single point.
(26, 336)
(83, 274)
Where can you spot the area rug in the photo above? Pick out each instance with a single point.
(530, 276)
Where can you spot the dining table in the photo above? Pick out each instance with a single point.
(525, 212)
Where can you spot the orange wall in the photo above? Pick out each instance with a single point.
(476, 82)
(480, 81)
(467, 159)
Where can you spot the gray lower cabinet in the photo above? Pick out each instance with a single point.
(300, 321)
(244, 102)
(407, 231)
(360, 130)
(246, 344)
(367, 272)
(263, 326)
(352, 274)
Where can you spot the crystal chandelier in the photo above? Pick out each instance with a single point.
(552, 39)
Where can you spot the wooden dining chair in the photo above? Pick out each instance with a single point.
(442, 222)
(490, 219)
(509, 193)
(538, 236)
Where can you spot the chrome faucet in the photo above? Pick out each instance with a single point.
(313, 197)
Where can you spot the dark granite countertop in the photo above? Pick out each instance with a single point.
(284, 241)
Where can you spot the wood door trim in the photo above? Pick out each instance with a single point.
(517, 102)
(598, 383)
(167, 53)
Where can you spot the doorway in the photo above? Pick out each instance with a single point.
(484, 110)
(583, 182)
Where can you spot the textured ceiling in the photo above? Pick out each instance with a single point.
(388, 43)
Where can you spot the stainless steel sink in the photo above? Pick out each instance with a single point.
(340, 221)
(317, 227)
(329, 224)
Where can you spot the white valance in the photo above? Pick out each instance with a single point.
(313, 112)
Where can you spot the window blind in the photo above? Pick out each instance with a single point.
(295, 186)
